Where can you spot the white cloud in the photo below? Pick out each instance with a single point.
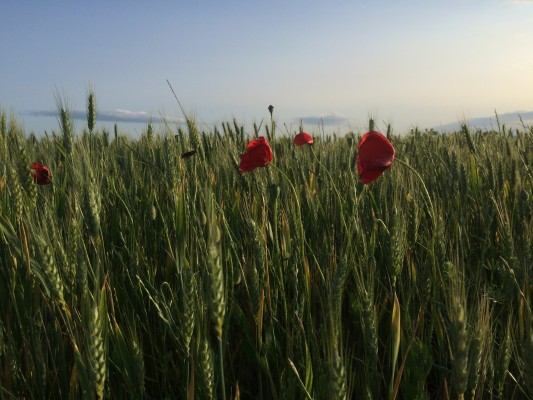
(119, 115)
(330, 119)
(120, 111)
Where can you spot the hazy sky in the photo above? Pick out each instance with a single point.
(408, 63)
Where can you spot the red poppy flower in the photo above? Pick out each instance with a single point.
(303, 138)
(258, 154)
(41, 174)
(375, 155)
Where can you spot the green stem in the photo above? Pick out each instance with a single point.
(302, 233)
(429, 202)
(221, 366)
(330, 178)
(431, 211)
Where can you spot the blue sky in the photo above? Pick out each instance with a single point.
(410, 63)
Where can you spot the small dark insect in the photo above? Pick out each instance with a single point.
(188, 154)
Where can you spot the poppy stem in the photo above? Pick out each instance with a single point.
(302, 234)
(329, 176)
(59, 188)
(429, 202)
(335, 189)
(431, 209)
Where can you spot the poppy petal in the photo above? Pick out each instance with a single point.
(40, 173)
(303, 138)
(376, 154)
(257, 154)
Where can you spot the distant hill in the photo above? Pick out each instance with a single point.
(510, 120)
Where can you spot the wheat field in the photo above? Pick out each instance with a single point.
(142, 272)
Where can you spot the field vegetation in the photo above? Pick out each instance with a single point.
(147, 270)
